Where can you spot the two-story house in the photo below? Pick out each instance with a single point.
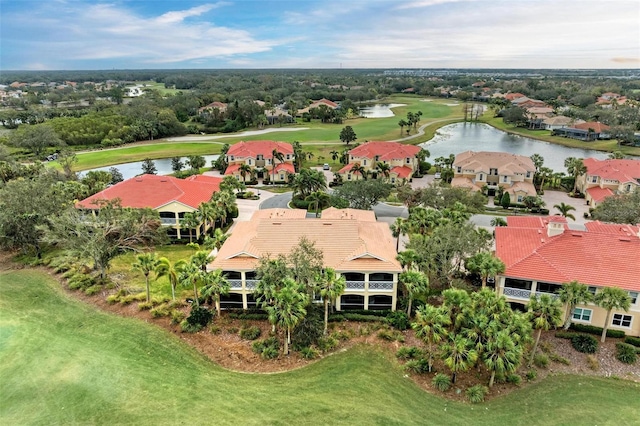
(605, 178)
(542, 254)
(477, 170)
(352, 242)
(401, 161)
(171, 197)
(261, 156)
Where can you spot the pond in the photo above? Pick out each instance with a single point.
(163, 165)
(379, 110)
(460, 137)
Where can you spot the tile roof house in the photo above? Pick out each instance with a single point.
(587, 131)
(559, 121)
(169, 196)
(213, 105)
(258, 155)
(316, 104)
(513, 173)
(608, 177)
(354, 244)
(540, 257)
(402, 160)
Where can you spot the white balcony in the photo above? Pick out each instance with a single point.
(517, 293)
(381, 285)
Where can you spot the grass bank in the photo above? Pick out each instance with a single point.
(64, 362)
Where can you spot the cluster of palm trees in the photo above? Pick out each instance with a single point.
(413, 119)
(217, 209)
(382, 169)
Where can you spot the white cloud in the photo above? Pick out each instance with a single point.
(179, 16)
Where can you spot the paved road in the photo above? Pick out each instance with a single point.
(280, 201)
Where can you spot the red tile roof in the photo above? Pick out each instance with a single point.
(385, 150)
(287, 167)
(254, 148)
(512, 96)
(533, 221)
(594, 258)
(598, 194)
(231, 169)
(619, 170)
(403, 172)
(612, 228)
(595, 126)
(155, 191)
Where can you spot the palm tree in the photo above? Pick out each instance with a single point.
(334, 155)
(415, 283)
(318, 199)
(408, 259)
(190, 221)
(215, 284)
(575, 167)
(201, 259)
(501, 354)
(191, 274)
(289, 307)
(244, 170)
(402, 123)
(545, 312)
(275, 154)
(498, 221)
(146, 263)
(572, 294)
(357, 168)
(209, 214)
(611, 298)
(171, 271)
(384, 169)
(399, 228)
(564, 210)
(331, 286)
(459, 355)
(431, 326)
(485, 264)
(217, 240)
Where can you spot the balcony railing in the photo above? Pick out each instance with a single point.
(525, 294)
(381, 285)
(168, 220)
(251, 284)
(235, 284)
(355, 285)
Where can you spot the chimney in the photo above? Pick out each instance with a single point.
(555, 228)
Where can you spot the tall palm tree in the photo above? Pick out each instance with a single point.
(201, 259)
(289, 307)
(331, 287)
(402, 123)
(415, 283)
(146, 263)
(357, 168)
(215, 284)
(408, 259)
(244, 170)
(384, 169)
(564, 210)
(611, 298)
(430, 325)
(191, 274)
(545, 312)
(458, 355)
(276, 155)
(572, 294)
(171, 271)
(399, 228)
(318, 199)
(575, 167)
(501, 354)
(334, 155)
(217, 240)
(191, 220)
(485, 264)
(498, 221)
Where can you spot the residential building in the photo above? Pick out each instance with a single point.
(259, 156)
(605, 178)
(482, 170)
(316, 104)
(587, 131)
(541, 254)
(352, 242)
(171, 197)
(220, 106)
(559, 121)
(402, 161)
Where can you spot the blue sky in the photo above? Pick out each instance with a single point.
(83, 34)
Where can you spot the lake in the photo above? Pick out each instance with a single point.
(379, 110)
(163, 165)
(460, 137)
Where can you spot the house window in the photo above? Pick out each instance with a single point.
(393, 180)
(281, 177)
(493, 172)
(519, 198)
(592, 289)
(528, 174)
(349, 176)
(232, 158)
(627, 188)
(504, 179)
(481, 176)
(288, 156)
(582, 314)
(634, 297)
(249, 161)
(621, 320)
(364, 163)
(408, 160)
(459, 169)
(594, 179)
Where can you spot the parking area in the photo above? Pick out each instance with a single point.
(552, 198)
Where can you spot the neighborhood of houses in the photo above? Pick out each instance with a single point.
(540, 252)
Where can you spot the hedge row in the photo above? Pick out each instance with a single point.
(590, 329)
(635, 341)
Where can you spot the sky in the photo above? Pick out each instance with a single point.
(164, 34)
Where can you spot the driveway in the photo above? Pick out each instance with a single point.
(552, 198)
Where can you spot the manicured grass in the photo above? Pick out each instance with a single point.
(545, 135)
(160, 87)
(63, 362)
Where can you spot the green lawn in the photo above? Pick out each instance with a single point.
(63, 362)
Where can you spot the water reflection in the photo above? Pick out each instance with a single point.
(379, 110)
(163, 165)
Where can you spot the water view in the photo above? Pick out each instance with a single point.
(163, 165)
(379, 110)
(460, 137)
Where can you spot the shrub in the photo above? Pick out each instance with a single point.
(145, 306)
(557, 358)
(409, 352)
(419, 366)
(214, 329)
(309, 353)
(267, 348)
(476, 394)
(565, 334)
(250, 333)
(514, 379)
(541, 361)
(309, 329)
(391, 335)
(187, 327)
(398, 320)
(341, 335)
(531, 375)
(325, 344)
(199, 315)
(162, 310)
(635, 341)
(363, 318)
(626, 353)
(442, 382)
(232, 330)
(80, 281)
(112, 299)
(590, 329)
(94, 289)
(177, 316)
(584, 343)
(593, 363)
